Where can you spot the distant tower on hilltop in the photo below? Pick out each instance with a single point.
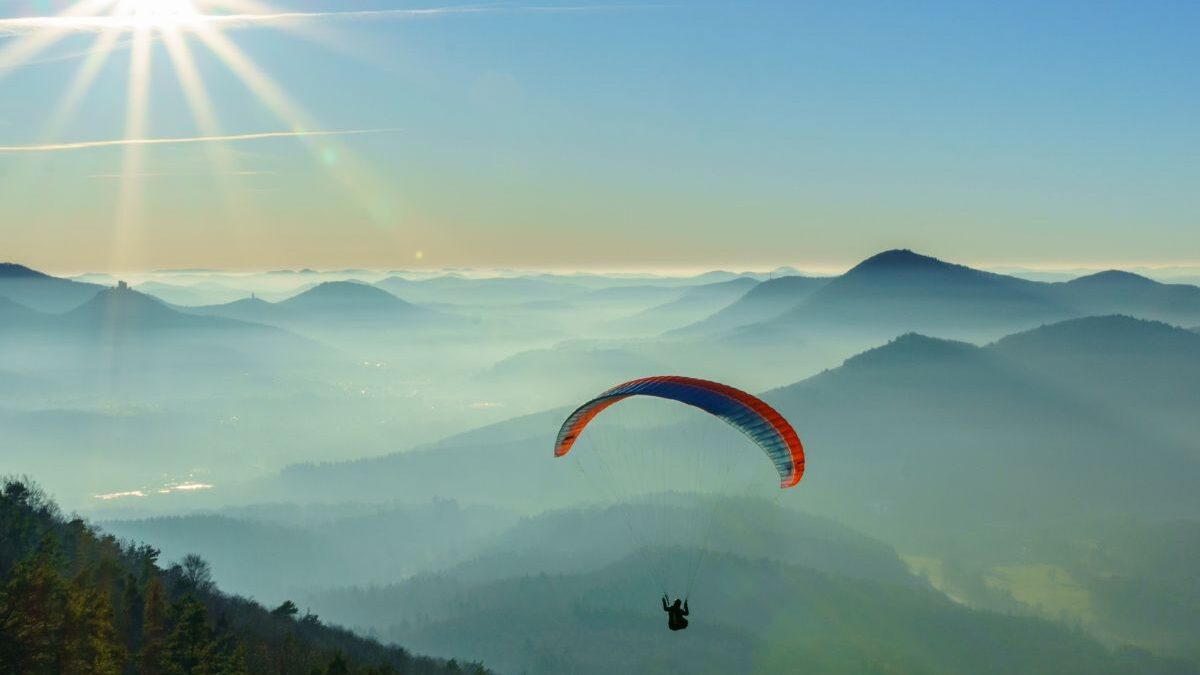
(122, 286)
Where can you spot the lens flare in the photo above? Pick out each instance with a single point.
(178, 26)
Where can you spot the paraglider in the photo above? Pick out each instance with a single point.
(675, 614)
(744, 412)
(747, 413)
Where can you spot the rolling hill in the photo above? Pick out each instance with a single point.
(43, 292)
(766, 300)
(74, 599)
(1117, 292)
(762, 616)
(895, 432)
(334, 306)
(901, 291)
(696, 303)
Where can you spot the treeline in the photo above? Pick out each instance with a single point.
(74, 600)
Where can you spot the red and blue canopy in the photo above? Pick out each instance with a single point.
(744, 412)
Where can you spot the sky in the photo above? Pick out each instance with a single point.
(607, 135)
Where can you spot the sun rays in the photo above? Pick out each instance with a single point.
(179, 27)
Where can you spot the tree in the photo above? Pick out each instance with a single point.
(287, 609)
(133, 606)
(197, 574)
(152, 657)
(33, 609)
(89, 641)
(188, 650)
(337, 665)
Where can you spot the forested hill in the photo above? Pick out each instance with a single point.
(75, 600)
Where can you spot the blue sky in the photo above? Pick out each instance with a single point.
(630, 135)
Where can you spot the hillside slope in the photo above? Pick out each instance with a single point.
(74, 600)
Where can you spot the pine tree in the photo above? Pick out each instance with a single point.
(133, 606)
(33, 608)
(337, 665)
(89, 641)
(189, 648)
(152, 657)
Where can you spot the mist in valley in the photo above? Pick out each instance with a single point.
(986, 455)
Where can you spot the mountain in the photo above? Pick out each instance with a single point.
(766, 300)
(75, 600)
(132, 336)
(42, 292)
(761, 616)
(348, 297)
(571, 361)
(14, 313)
(1117, 292)
(359, 303)
(123, 311)
(173, 293)
(276, 550)
(590, 538)
(894, 434)
(1144, 372)
(634, 297)
(484, 291)
(696, 303)
(332, 306)
(901, 291)
(571, 368)
(253, 309)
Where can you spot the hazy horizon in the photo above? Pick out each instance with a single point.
(421, 337)
(223, 134)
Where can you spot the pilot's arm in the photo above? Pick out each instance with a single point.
(685, 609)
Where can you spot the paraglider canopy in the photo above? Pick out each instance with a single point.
(745, 412)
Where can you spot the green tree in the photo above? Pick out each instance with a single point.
(287, 609)
(338, 665)
(33, 609)
(188, 649)
(152, 657)
(89, 642)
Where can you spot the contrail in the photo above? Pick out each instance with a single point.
(89, 24)
(177, 174)
(88, 145)
(94, 24)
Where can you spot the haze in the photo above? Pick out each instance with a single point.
(294, 299)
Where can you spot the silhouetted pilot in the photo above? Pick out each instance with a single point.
(675, 614)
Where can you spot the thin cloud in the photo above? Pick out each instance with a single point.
(88, 145)
(95, 24)
(176, 174)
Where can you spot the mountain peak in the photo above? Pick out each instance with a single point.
(1114, 330)
(14, 271)
(122, 304)
(1113, 277)
(910, 349)
(344, 291)
(899, 259)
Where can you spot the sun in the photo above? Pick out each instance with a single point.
(174, 28)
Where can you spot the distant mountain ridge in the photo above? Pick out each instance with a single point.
(764, 301)
(331, 304)
(996, 428)
(901, 291)
(41, 291)
(1119, 292)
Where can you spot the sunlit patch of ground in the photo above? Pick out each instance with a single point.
(931, 569)
(1048, 589)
